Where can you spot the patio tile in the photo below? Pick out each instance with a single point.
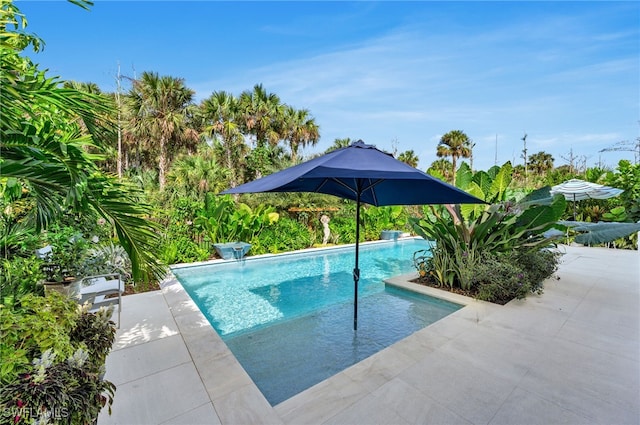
(202, 415)
(414, 406)
(322, 401)
(529, 318)
(502, 352)
(246, 406)
(369, 410)
(525, 408)
(421, 342)
(138, 361)
(613, 339)
(147, 318)
(376, 370)
(459, 386)
(222, 375)
(175, 391)
(601, 386)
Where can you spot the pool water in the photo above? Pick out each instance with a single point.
(288, 319)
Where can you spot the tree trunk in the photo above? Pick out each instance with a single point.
(162, 163)
(453, 163)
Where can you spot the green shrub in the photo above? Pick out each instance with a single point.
(18, 277)
(36, 325)
(53, 355)
(537, 266)
(106, 259)
(285, 235)
(181, 249)
(499, 279)
(492, 251)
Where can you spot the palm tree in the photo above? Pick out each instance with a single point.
(409, 157)
(44, 151)
(159, 107)
(300, 130)
(104, 125)
(221, 116)
(455, 144)
(197, 174)
(541, 162)
(441, 167)
(339, 144)
(262, 115)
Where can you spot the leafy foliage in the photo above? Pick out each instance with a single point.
(467, 236)
(47, 137)
(53, 356)
(285, 235)
(377, 219)
(627, 178)
(225, 221)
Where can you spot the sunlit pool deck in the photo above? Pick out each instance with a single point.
(570, 356)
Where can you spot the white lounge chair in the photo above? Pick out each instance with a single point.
(95, 289)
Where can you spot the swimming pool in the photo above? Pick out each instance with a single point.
(288, 318)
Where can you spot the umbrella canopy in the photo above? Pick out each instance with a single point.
(579, 190)
(361, 173)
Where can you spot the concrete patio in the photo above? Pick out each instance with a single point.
(570, 356)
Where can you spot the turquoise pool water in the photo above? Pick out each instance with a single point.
(288, 319)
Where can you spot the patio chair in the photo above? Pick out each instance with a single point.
(97, 289)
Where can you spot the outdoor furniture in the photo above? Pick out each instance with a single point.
(97, 289)
(232, 250)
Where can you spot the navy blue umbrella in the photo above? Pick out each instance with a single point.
(361, 173)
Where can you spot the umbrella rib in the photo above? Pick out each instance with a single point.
(354, 191)
(341, 183)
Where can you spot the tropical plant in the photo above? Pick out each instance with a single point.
(409, 157)
(196, 174)
(286, 234)
(262, 115)
(19, 276)
(442, 169)
(105, 259)
(455, 144)
(601, 232)
(158, 107)
(339, 144)
(540, 162)
(225, 221)
(63, 383)
(299, 130)
(466, 234)
(377, 219)
(627, 178)
(39, 324)
(223, 123)
(45, 151)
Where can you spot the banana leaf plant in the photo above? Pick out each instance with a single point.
(225, 221)
(601, 232)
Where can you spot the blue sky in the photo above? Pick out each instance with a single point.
(394, 74)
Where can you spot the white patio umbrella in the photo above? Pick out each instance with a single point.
(579, 190)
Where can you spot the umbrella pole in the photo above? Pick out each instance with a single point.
(356, 270)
